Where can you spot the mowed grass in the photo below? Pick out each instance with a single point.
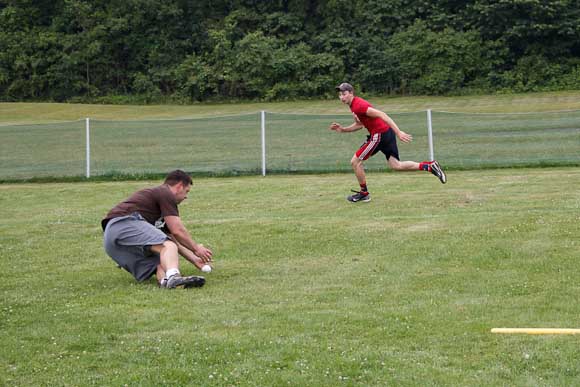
(308, 289)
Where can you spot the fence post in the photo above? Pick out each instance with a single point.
(430, 135)
(88, 147)
(263, 119)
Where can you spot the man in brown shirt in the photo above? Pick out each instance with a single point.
(145, 235)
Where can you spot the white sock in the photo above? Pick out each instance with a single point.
(171, 272)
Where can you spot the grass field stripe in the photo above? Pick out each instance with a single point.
(538, 331)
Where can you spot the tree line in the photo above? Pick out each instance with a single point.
(203, 50)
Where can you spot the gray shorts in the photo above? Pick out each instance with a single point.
(127, 240)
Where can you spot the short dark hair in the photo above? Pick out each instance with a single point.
(345, 87)
(177, 176)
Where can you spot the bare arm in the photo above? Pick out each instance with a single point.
(188, 254)
(356, 125)
(182, 237)
(405, 137)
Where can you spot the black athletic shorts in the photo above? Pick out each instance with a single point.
(385, 142)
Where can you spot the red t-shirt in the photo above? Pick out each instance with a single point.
(374, 125)
(153, 204)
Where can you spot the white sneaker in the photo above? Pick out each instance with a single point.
(177, 281)
(438, 171)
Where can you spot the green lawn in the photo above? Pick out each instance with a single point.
(308, 289)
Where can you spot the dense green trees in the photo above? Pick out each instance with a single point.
(188, 50)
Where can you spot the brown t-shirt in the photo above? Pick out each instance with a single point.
(153, 204)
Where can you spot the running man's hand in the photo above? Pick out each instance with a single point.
(336, 127)
(204, 253)
(405, 137)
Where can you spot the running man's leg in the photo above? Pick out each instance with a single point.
(363, 195)
(359, 170)
(398, 165)
(428, 166)
(390, 149)
(367, 149)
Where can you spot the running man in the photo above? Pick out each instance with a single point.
(382, 131)
(145, 235)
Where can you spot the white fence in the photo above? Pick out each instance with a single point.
(264, 142)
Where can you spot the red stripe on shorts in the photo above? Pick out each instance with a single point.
(367, 149)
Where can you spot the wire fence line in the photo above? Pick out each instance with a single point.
(265, 142)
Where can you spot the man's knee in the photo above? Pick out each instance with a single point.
(355, 161)
(168, 245)
(394, 163)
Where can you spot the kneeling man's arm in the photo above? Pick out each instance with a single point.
(179, 232)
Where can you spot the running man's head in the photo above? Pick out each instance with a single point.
(345, 93)
(180, 183)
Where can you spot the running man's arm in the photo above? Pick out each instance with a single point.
(372, 112)
(356, 125)
(179, 232)
(351, 128)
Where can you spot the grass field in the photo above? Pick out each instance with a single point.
(308, 290)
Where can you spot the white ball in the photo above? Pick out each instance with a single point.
(206, 268)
